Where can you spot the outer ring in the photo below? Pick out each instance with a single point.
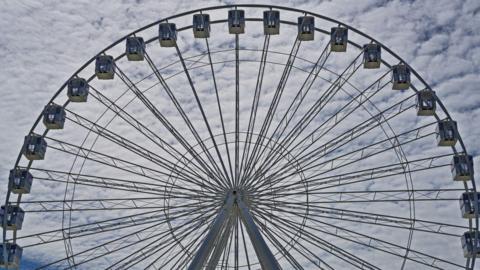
(473, 227)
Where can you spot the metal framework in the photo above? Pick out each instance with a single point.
(228, 152)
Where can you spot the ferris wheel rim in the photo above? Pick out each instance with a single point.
(463, 148)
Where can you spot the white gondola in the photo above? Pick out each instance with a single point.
(468, 242)
(400, 77)
(14, 217)
(306, 28)
(167, 34)
(77, 90)
(34, 147)
(13, 256)
(54, 116)
(104, 67)
(338, 39)
(462, 167)
(201, 25)
(426, 103)
(372, 56)
(447, 133)
(135, 48)
(20, 181)
(236, 21)
(468, 205)
(271, 22)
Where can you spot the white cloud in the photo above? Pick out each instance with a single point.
(44, 43)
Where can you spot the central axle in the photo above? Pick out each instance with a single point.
(234, 206)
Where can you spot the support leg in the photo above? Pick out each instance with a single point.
(265, 256)
(209, 242)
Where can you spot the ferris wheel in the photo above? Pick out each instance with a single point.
(243, 137)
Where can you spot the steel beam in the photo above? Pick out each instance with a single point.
(220, 231)
(208, 244)
(265, 256)
(221, 244)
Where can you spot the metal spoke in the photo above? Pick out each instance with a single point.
(92, 228)
(212, 137)
(352, 134)
(289, 228)
(376, 243)
(111, 161)
(274, 103)
(300, 96)
(118, 247)
(170, 127)
(237, 111)
(311, 138)
(254, 107)
(369, 174)
(152, 136)
(131, 146)
(109, 182)
(103, 204)
(219, 104)
(380, 220)
(182, 112)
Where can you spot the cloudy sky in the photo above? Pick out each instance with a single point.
(45, 42)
